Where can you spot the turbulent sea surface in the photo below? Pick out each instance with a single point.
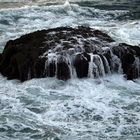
(89, 109)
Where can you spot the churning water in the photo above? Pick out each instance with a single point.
(87, 109)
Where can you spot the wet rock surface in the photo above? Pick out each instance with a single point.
(67, 52)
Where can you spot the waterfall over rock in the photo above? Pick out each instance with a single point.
(67, 52)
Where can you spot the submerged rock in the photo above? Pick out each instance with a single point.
(66, 52)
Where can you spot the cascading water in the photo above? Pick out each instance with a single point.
(137, 68)
(96, 68)
(82, 59)
(91, 65)
(106, 65)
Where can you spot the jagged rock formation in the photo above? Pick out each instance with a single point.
(66, 52)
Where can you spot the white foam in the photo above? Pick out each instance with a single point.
(90, 69)
(78, 108)
(35, 17)
(127, 32)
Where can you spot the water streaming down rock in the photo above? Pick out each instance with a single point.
(66, 52)
(91, 66)
(136, 67)
(106, 65)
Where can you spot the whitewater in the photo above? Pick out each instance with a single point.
(87, 109)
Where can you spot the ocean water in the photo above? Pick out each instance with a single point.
(87, 109)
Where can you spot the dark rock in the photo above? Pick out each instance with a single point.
(63, 71)
(51, 69)
(38, 69)
(128, 55)
(127, 65)
(58, 52)
(81, 65)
